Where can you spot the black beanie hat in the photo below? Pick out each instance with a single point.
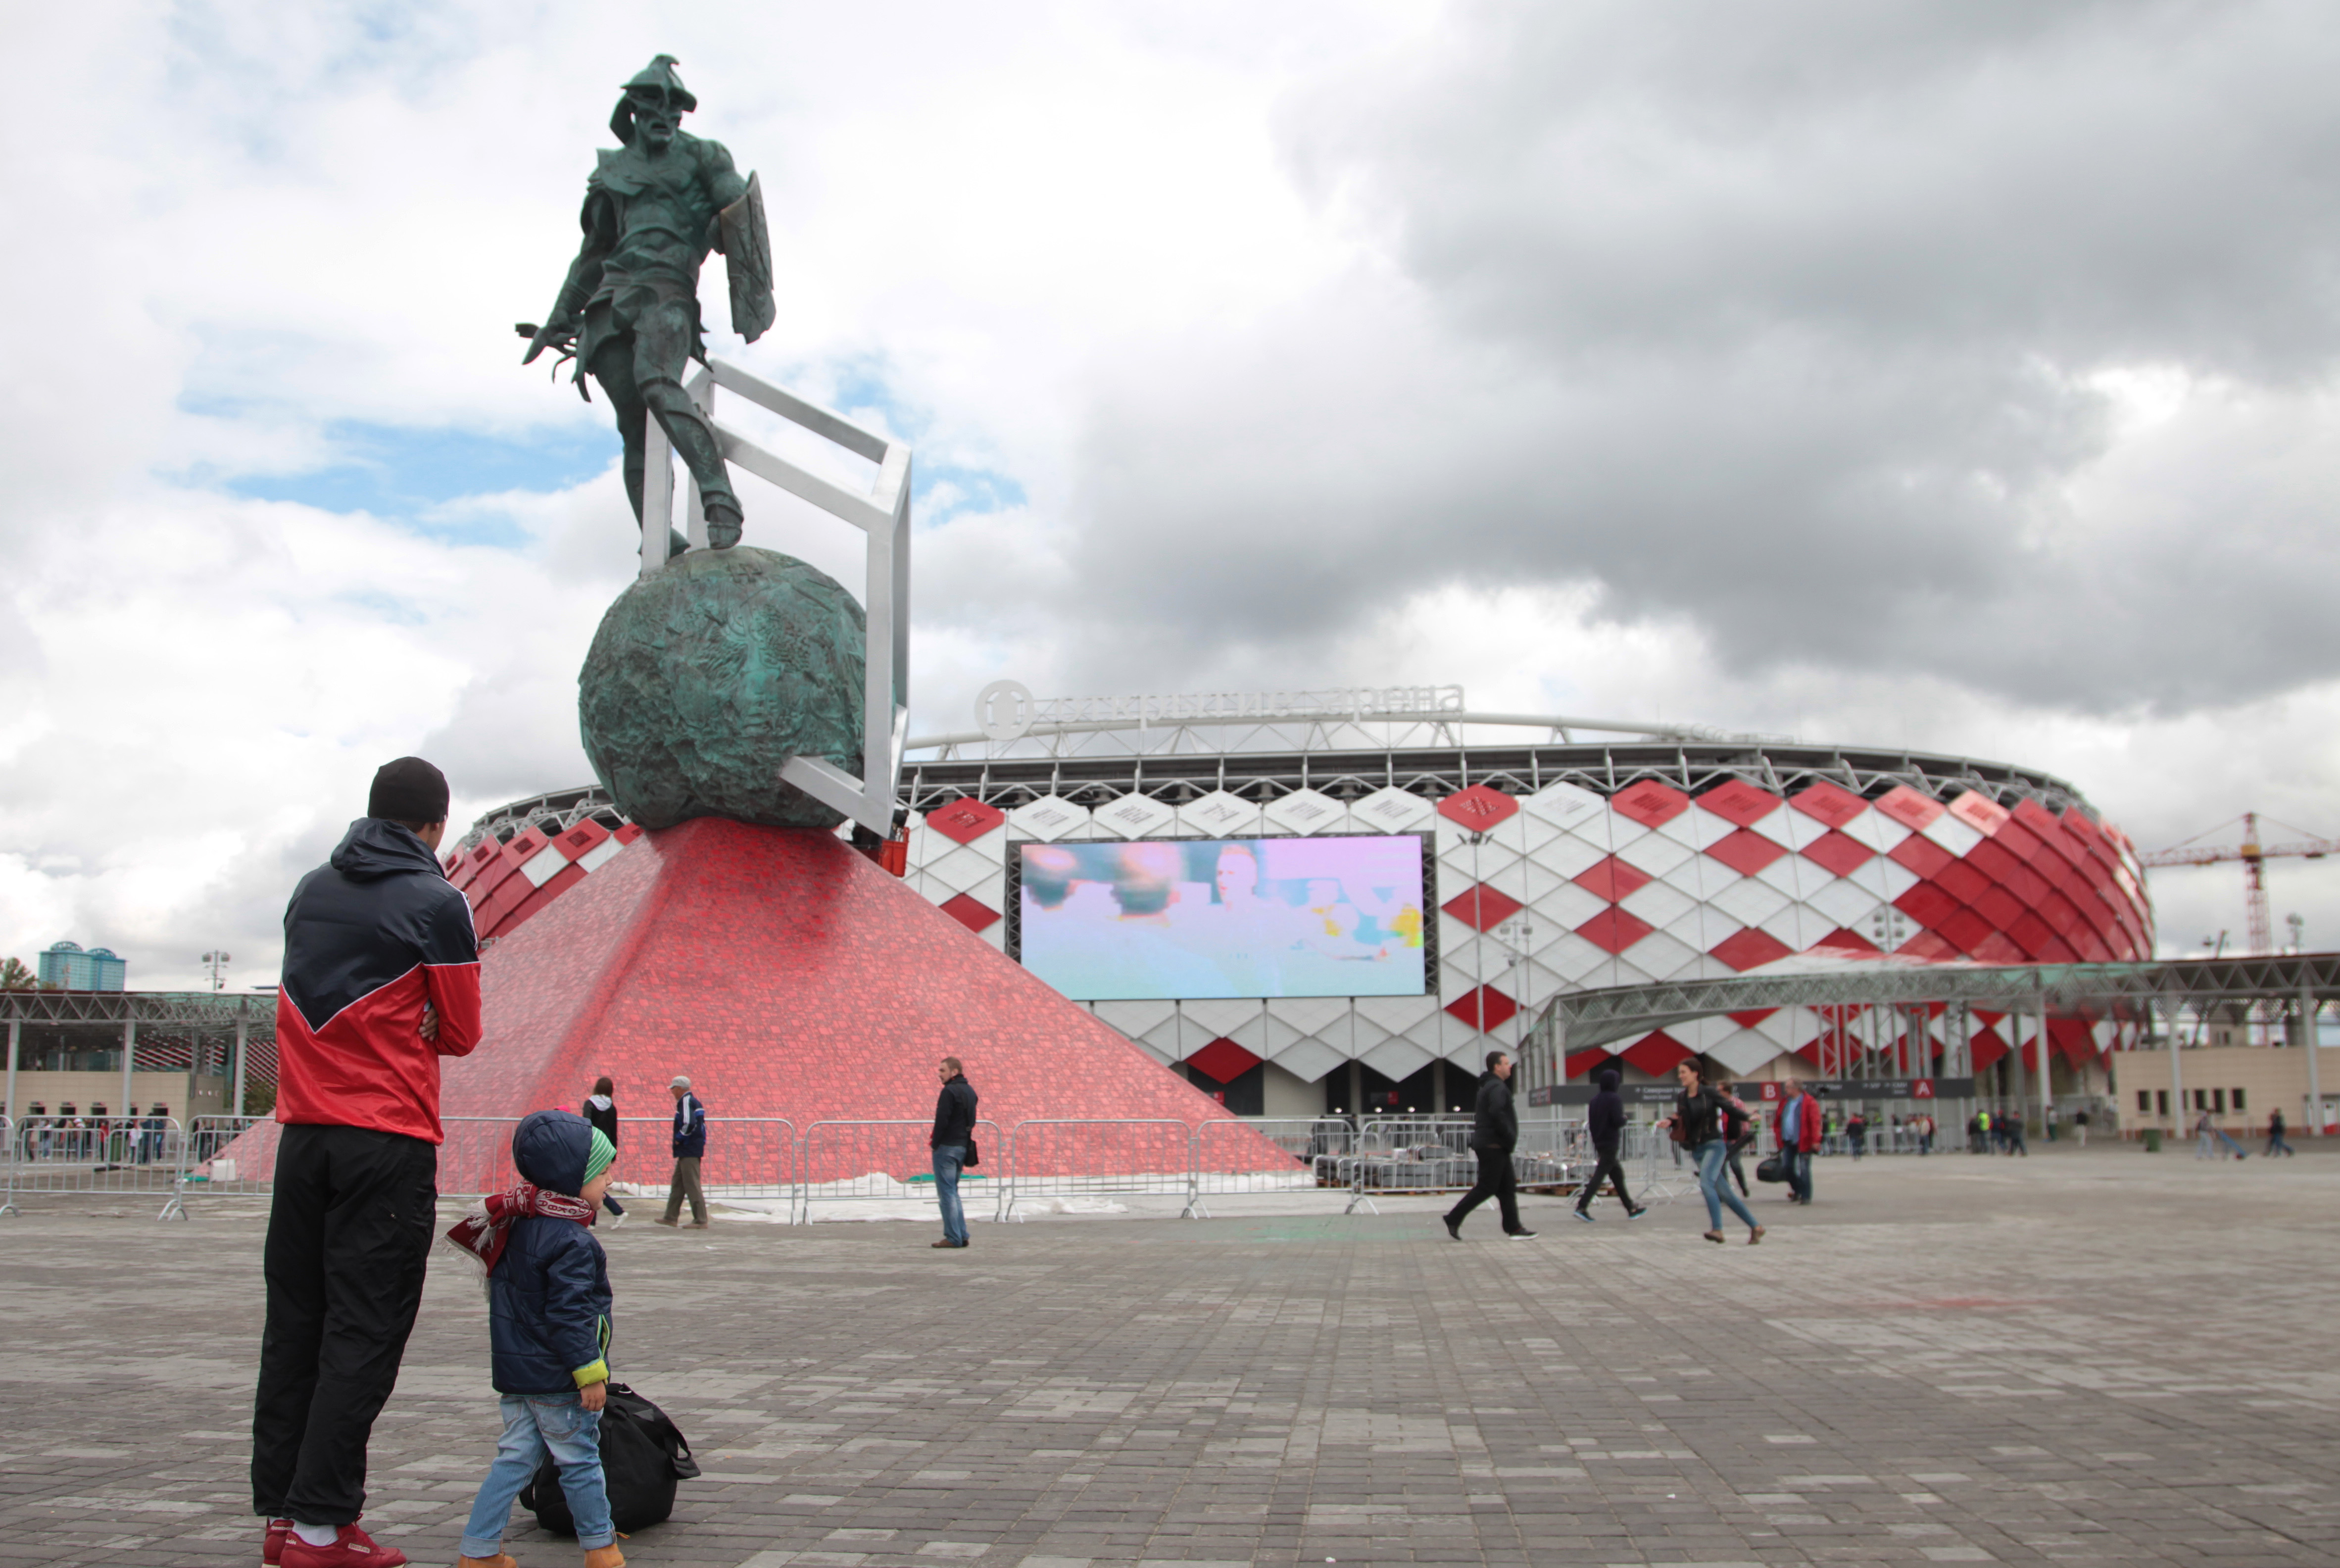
(408, 791)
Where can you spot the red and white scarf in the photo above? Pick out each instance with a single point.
(486, 1224)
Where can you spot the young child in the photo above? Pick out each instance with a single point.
(549, 1327)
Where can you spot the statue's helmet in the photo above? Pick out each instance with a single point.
(658, 77)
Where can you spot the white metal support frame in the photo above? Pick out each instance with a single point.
(882, 513)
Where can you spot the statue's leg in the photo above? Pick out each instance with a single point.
(613, 368)
(662, 336)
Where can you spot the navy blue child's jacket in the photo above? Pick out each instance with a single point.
(549, 1299)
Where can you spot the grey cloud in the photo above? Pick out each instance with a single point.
(1790, 321)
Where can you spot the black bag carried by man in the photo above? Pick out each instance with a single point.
(642, 1456)
(1770, 1169)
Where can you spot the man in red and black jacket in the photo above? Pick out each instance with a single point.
(1798, 1125)
(381, 978)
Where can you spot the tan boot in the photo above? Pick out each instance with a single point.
(500, 1560)
(605, 1557)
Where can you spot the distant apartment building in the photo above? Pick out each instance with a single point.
(66, 967)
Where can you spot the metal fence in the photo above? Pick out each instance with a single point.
(868, 1161)
(1421, 1155)
(746, 1157)
(1300, 1152)
(1094, 1157)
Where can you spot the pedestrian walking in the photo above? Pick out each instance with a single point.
(2080, 1129)
(601, 1110)
(1697, 1126)
(381, 978)
(2275, 1143)
(952, 1146)
(1856, 1132)
(1495, 1133)
(1604, 1122)
(690, 1148)
(2049, 1118)
(1797, 1131)
(2011, 1123)
(549, 1310)
(1924, 1122)
(1738, 1132)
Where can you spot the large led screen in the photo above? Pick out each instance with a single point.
(1186, 919)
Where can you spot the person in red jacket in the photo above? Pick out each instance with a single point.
(1797, 1125)
(381, 978)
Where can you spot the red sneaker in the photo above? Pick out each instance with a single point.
(353, 1548)
(271, 1550)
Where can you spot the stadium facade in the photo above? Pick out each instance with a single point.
(1553, 862)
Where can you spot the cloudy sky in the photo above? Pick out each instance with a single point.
(1957, 376)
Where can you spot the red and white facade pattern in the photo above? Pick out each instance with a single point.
(509, 883)
(1569, 889)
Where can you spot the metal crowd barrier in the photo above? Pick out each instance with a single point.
(1226, 1157)
(889, 1161)
(1090, 1157)
(101, 1154)
(1421, 1155)
(746, 1157)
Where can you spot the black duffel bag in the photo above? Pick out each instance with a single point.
(1770, 1169)
(642, 1456)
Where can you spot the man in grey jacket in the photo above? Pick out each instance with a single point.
(1494, 1132)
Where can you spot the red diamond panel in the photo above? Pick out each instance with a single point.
(1966, 931)
(1829, 803)
(1987, 1047)
(1483, 1007)
(1745, 852)
(1837, 854)
(1738, 802)
(1978, 811)
(1483, 909)
(1960, 880)
(2018, 841)
(1748, 1020)
(1614, 930)
(1921, 854)
(1841, 941)
(1478, 808)
(2000, 907)
(1996, 948)
(2029, 887)
(1650, 803)
(1750, 948)
(1931, 948)
(1612, 879)
(974, 914)
(582, 840)
(1656, 1054)
(2031, 934)
(965, 820)
(1926, 904)
(1993, 861)
(1911, 810)
(1222, 1061)
(1582, 1062)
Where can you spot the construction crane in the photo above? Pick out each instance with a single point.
(2254, 856)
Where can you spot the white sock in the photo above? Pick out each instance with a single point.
(318, 1534)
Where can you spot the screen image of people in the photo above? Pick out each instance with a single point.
(1190, 918)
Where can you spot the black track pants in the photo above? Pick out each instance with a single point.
(1497, 1180)
(1607, 1169)
(348, 1235)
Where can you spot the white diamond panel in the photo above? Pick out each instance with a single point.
(1220, 814)
(1307, 811)
(1391, 811)
(1565, 805)
(1133, 816)
(1048, 818)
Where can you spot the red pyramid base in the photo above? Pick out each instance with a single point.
(788, 976)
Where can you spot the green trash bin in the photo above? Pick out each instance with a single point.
(2153, 1140)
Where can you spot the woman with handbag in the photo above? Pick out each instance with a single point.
(1697, 1126)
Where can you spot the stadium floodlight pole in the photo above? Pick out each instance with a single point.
(16, 1034)
(2041, 1056)
(2306, 1039)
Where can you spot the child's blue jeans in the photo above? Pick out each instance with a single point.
(534, 1426)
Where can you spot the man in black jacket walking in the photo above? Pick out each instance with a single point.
(1604, 1119)
(1494, 1132)
(953, 1137)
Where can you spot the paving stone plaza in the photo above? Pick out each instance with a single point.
(2097, 1356)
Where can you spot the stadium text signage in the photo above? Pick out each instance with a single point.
(1770, 1093)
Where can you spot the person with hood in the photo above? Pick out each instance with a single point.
(601, 1110)
(1495, 1133)
(381, 978)
(549, 1306)
(1799, 1131)
(1604, 1122)
(953, 1135)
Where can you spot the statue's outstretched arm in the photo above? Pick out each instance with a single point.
(559, 328)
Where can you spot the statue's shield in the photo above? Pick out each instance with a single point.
(748, 259)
